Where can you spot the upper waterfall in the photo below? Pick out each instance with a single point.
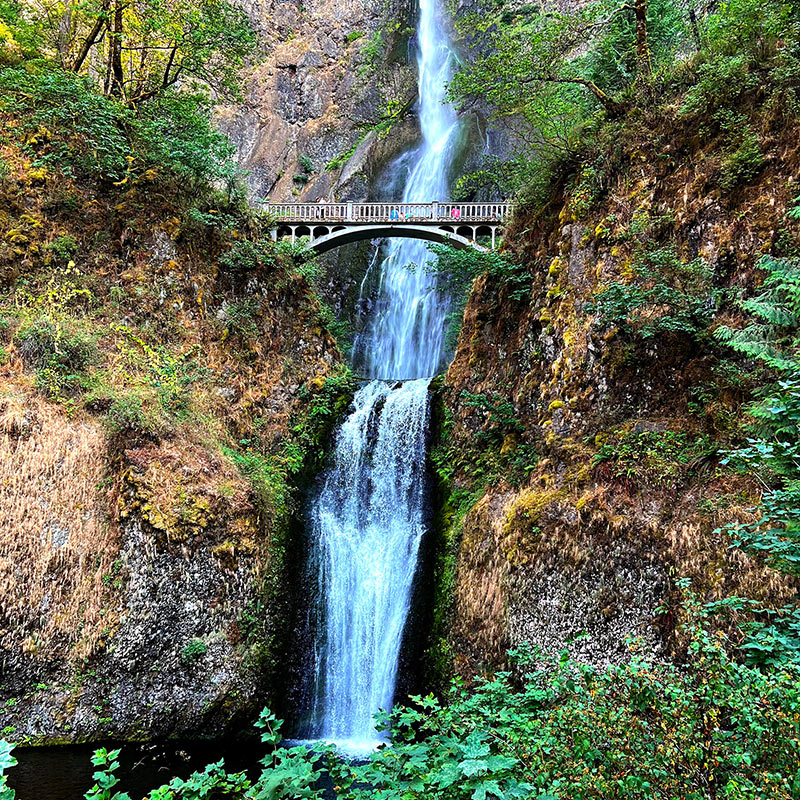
(404, 336)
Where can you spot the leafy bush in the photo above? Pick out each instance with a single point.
(58, 355)
(773, 337)
(6, 762)
(74, 128)
(554, 728)
(106, 763)
(247, 256)
(63, 248)
(240, 318)
(665, 295)
(772, 452)
(306, 164)
(194, 650)
(653, 456)
(744, 159)
(128, 414)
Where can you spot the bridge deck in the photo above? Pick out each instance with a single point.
(371, 213)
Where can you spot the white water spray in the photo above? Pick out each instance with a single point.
(368, 516)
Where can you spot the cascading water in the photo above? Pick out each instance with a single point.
(368, 517)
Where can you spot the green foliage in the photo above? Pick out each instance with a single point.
(265, 475)
(193, 651)
(372, 51)
(59, 356)
(744, 159)
(339, 161)
(158, 367)
(666, 295)
(301, 177)
(462, 265)
(72, 127)
(240, 317)
(324, 402)
(500, 414)
(306, 164)
(5, 170)
(6, 762)
(63, 248)
(457, 269)
(247, 256)
(554, 728)
(772, 337)
(354, 35)
(106, 762)
(127, 414)
(660, 457)
(772, 451)
(148, 48)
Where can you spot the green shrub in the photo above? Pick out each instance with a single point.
(240, 317)
(660, 457)
(666, 295)
(246, 256)
(306, 164)
(63, 248)
(59, 356)
(354, 35)
(742, 164)
(127, 414)
(300, 178)
(5, 169)
(87, 133)
(194, 650)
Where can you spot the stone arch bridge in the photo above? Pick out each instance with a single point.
(329, 225)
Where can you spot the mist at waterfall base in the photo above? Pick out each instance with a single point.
(367, 516)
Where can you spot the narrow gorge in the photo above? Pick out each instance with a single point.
(399, 399)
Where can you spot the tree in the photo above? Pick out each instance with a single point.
(136, 51)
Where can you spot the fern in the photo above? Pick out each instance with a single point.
(773, 338)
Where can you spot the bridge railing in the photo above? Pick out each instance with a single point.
(364, 213)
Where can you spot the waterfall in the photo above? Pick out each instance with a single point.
(368, 516)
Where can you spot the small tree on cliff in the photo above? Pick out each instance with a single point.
(548, 71)
(136, 51)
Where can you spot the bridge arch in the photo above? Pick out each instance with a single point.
(336, 238)
(325, 238)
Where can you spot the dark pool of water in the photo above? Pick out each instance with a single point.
(65, 773)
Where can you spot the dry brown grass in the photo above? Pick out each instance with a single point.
(56, 538)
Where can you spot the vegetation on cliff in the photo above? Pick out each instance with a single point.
(168, 377)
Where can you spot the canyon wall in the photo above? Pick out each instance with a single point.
(583, 456)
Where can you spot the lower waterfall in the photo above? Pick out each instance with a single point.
(367, 522)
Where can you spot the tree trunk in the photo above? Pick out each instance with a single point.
(117, 75)
(609, 104)
(643, 62)
(695, 29)
(92, 37)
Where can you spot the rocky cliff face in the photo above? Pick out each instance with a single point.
(334, 78)
(154, 430)
(583, 451)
